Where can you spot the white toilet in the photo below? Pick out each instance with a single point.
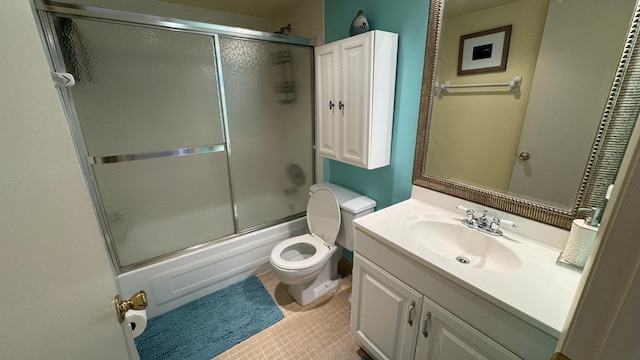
(309, 263)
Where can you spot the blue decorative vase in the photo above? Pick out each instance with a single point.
(359, 24)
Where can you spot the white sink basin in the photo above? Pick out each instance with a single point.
(451, 240)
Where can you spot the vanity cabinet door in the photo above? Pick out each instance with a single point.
(385, 312)
(443, 336)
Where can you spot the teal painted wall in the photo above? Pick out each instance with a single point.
(408, 18)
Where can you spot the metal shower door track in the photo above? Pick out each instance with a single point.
(98, 13)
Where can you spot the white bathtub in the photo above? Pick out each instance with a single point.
(176, 281)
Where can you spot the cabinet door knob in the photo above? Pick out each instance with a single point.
(524, 156)
(411, 307)
(426, 323)
(331, 105)
(340, 105)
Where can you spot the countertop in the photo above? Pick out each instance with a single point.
(539, 292)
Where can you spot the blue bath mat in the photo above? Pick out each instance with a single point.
(205, 327)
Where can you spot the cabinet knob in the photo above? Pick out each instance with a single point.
(340, 105)
(331, 105)
(524, 156)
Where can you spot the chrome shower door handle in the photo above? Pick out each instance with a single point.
(411, 307)
(426, 323)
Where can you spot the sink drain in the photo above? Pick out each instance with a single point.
(462, 260)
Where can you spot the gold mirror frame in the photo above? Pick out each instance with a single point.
(612, 136)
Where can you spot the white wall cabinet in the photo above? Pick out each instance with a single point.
(355, 89)
(393, 321)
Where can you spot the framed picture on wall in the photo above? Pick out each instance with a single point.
(484, 51)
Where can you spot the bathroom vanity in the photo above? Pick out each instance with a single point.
(414, 298)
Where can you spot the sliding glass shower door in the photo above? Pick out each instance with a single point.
(174, 163)
(142, 95)
(268, 98)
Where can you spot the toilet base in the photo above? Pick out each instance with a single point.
(327, 280)
(306, 293)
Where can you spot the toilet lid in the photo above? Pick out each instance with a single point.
(323, 215)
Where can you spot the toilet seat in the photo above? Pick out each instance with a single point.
(301, 244)
(323, 215)
(309, 250)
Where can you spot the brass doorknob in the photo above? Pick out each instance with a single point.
(524, 156)
(137, 302)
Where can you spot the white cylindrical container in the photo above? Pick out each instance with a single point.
(137, 320)
(580, 242)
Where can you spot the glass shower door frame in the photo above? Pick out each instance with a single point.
(46, 10)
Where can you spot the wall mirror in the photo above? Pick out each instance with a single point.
(539, 132)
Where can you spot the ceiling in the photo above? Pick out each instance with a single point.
(260, 8)
(460, 7)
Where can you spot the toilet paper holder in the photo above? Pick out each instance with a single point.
(137, 302)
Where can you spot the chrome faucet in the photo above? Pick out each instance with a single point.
(482, 223)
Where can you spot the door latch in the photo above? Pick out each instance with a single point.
(137, 302)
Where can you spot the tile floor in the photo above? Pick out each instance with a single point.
(317, 331)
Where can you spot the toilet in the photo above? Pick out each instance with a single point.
(309, 263)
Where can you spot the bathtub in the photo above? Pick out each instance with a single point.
(186, 277)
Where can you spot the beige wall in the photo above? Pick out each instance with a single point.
(306, 19)
(474, 133)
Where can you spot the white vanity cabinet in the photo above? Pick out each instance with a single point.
(443, 336)
(388, 317)
(355, 88)
(385, 312)
(460, 324)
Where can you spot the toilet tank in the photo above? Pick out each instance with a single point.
(352, 206)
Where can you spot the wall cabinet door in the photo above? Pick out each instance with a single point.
(384, 317)
(355, 89)
(355, 54)
(327, 88)
(444, 336)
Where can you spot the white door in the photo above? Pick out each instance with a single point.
(384, 318)
(557, 137)
(356, 58)
(57, 283)
(327, 97)
(443, 336)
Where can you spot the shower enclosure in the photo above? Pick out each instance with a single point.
(188, 133)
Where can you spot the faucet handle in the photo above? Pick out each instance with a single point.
(494, 227)
(467, 211)
(508, 223)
